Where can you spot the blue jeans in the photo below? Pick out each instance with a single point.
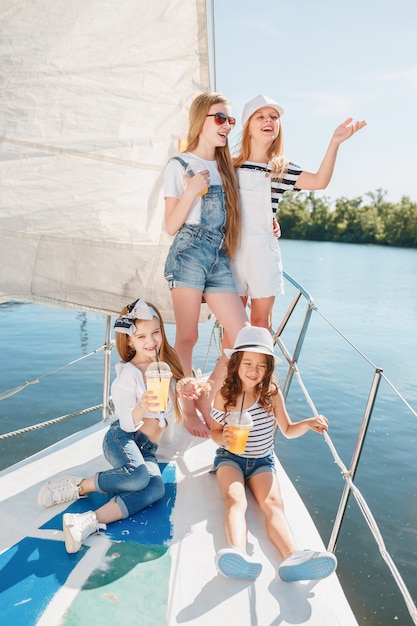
(135, 478)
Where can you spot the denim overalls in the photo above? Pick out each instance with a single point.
(198, 258)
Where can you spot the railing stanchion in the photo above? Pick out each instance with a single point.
(355, 459)
(106, 372)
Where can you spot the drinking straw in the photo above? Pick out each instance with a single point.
(241, 407)
(157, 361)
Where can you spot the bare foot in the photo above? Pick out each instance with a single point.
(196, 426)
(192, 422)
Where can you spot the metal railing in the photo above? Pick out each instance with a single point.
(302, 296)
(106, 405)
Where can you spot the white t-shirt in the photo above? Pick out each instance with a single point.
(277, 188)
(126, 392)
(174, 184)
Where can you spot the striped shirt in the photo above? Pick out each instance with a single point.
(260, 441)
(278, 188)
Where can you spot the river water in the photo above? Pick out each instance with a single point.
(368, 292)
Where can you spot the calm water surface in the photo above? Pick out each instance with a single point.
(369, 294)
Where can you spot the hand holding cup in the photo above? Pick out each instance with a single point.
(239, 424)
(200, 173)
(158, 377)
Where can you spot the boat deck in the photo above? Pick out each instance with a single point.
(158, 566)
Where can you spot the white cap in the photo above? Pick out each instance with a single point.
(257, 103)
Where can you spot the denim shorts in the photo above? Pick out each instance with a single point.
(198, 259)
(248, 467)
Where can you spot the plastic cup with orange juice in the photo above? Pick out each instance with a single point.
(194, 168)
(158, 378)
(240, 423)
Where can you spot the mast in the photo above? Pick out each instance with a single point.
(213, 47)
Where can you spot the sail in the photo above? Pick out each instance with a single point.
(94, 97)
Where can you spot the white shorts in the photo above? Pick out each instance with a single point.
(257, 268)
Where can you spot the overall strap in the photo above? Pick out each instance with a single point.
(180, 160)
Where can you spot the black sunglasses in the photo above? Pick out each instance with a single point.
(221, 118)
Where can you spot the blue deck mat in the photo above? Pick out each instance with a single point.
(33, 570)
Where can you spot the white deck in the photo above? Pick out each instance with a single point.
(197, 594)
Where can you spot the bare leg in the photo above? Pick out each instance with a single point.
(217, 376)
(230, 312)
(87, 486)
(187, 304)
(233, 490)
(261, 312)
(192, 421)
(267, 492)
(227, 342)
(109, 512)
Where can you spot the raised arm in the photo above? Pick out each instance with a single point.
(321, 178)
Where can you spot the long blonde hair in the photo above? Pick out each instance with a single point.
(166, 353)
(279, 164)
(197, 116)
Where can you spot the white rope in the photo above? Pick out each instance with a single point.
(55, 420)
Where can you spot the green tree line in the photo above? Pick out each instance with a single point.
(359, 220)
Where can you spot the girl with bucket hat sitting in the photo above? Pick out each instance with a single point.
(263, 176)
(249, 388)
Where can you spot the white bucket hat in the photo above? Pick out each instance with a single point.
(257, 103)
(253, 339)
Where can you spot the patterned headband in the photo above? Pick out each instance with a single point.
(138, 310)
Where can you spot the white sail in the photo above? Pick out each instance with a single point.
(94, 96)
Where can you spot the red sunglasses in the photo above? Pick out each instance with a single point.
(221, 118)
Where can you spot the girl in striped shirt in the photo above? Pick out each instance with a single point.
(264, 175)
(249, 386)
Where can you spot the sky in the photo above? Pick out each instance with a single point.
(325, 61)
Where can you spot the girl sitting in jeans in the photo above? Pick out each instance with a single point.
(131, 442)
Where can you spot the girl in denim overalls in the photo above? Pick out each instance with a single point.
(263, 176)
(201, 210)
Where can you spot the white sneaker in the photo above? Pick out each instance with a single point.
(77, 527)
(233, 563)
(307, 565)
(63, 489)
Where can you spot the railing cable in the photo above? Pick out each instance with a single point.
(10, 392)
(348, 475)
